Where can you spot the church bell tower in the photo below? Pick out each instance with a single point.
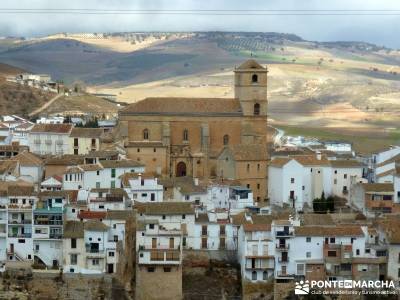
(251, 88)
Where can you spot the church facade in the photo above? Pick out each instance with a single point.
(187, 136)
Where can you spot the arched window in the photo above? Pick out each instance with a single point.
(226, 139)
(185, 135)
(254, 275)
(146, 134)
(265, 275)
(256, 109)
(254, 78)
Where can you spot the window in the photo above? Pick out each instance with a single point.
(226, 139)
(74, 259)
(265, 275)
(303, 187)
(254, 275)
(146, 134)
(113, 184)
(345, 176)
(183, 217)
(258, 167)
(248, 167)
(75, 142)
(73, 243)
(367, 251)
(111, 254)
(335, 171)
(95, 262)
(167, 269)
(112, 173)
(185, 135)
(163, 217)
(258, 186)
(150, 269)
(76, 152)
(256, 109)
(332, 240)
(332, 253)
(308, 254)
(254, 78)
(308, 239)
(291, 180)
(357, 251)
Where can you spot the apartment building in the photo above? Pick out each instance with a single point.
(256, 252)
(142, 187)
(296, 181)
(49, 139)
(106, 174)
(84, 140)
(374, 198)
(160, 238)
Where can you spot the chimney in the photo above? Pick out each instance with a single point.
(318, 155)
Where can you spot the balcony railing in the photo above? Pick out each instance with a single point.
(172, 255)
(49, 222)
(48, 142)
(19, 235)
(57, 236)
(283, 260)
(282, 247)
(19, 222)
(283, 274)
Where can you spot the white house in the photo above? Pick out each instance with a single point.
(298, 180)
(142, 187)
(50, 139)
(256, 252)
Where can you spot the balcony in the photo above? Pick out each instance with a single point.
(59, 143)
(284, 274)
(157, 256)
(282, 247)
(19, 222)
(283, 260)
(48, 142)
(56, 236)
(36, 141)
(20, 207)
(284, 233)
(20, 235)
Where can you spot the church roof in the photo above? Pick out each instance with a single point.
(184, 106)
(250, 64)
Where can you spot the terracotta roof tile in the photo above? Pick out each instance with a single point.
(27, 158)
(53, 128)
(73, 230)
(378, 187)
(87, 214)
(256, 227)
(124, 163)
(184, 106)
(328, 231)
(86, 132)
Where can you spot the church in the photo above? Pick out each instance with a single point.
(222, 138)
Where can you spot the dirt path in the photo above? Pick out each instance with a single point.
(46, 105)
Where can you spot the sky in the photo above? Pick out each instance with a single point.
(378, 29)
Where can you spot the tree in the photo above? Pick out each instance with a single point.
(330, 204)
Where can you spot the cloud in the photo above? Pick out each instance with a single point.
(377, 29)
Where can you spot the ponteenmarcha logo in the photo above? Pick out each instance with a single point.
(302, 287)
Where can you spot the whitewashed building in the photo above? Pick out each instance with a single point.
(50, 139)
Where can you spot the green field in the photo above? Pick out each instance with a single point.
(363, 142)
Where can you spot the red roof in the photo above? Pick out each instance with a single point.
(87, 214)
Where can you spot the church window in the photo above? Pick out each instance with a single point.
(256, 109)
(185, 135)
(226, 139)
(146, 134)
(254, 78)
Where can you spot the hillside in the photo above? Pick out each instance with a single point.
(354, 86)
(17, 99)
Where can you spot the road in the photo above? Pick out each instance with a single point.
(46, 105)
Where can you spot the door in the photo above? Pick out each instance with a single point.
(154, 243)
(284, 256)
(283, 268)
(110, 268)
(152, 197)
(181, 169)
(12, 248)
(171, 243)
